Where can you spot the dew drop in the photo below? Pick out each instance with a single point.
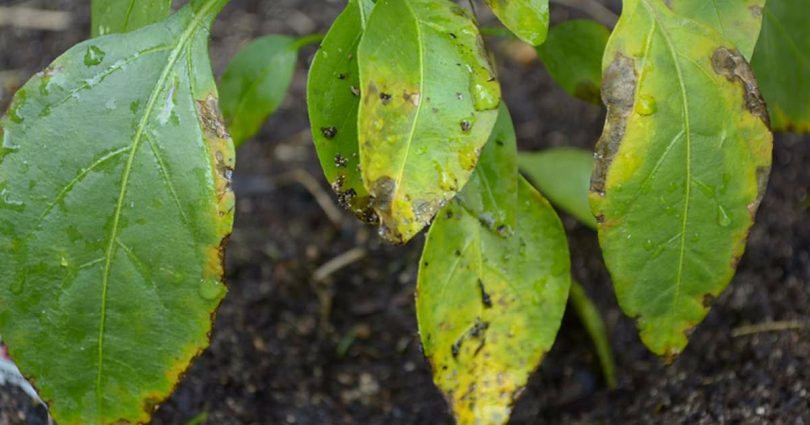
(63, 262)
(94, 56)
(646, 105)
(649, 245)
(211, 289)
(485, 95)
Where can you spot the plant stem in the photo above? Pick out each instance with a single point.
(307, 40)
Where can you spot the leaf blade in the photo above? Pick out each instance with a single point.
(782, 64)
(333, 99)
(572, 56)
(487, 313)
(255, 83)
(564, 176)
(78, 272)
(527, 19)
(704, 163)
(428, 103)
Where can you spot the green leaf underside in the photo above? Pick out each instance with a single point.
(738, 21)
(563, 175)
(681, 167)
(490, 297)
(428, 103)
(114, 16)
(782, 63)
(572, 56)
(115, 181)
(255, 83)
(527, 19)
(333, 97)
(592, 321)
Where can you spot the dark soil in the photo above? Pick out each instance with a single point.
(289, 350)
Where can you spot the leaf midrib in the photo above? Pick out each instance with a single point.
(198, 17)
(688, 145)
(420, 41)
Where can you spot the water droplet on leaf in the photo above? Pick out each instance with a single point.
(94, 56)
(210, 289)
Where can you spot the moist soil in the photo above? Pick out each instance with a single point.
(287, 349)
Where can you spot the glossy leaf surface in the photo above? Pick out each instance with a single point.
(782, 63)
(255, 83)
(527, 19)
(681, 166)
(333, 98)
(564, 176)
(115, 205)
(572, 56)
(493, 285)
(113, 16)
(428, 103)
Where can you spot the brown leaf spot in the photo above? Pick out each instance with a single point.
(618, 94)
(732, 65)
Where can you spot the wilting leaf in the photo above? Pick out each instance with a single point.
(564, 176)
(112, 16)
(738, 21)
(572, 56)
(681, 167)
(782, 63)
(592, 321)
(492, 286)
(255, 83)
(333, 97)
(429, 101)
(527, 19)
(116, 202)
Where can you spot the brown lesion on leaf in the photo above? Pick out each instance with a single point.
(732, 65)
(618, 94)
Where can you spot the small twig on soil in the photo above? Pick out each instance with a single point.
(321, 197)
(791, 325)
(594, 8)
(25, 17)
(337, 263)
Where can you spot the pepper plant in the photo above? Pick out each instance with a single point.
(116, 168)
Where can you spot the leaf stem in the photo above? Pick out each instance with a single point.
(306, 40)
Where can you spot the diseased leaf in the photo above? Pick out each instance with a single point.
(527, 19)
(572, 56)
(491, 294)
(116, 202)
(112, 16)
(429, 101)
(738, 21)
(333, 97)
(592, 321)
(564, 176)
(255, 83)
(782, 64)
(681, 166)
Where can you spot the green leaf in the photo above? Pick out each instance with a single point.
(113, 16)
(255, 83)
(429, 101)
(564, 176)
(572, 56)
(681, 167)
(527, 19)
(592, 321)
(782, 64)
(738, 21)
(333, 97)
(491, 294)
(115, 205)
